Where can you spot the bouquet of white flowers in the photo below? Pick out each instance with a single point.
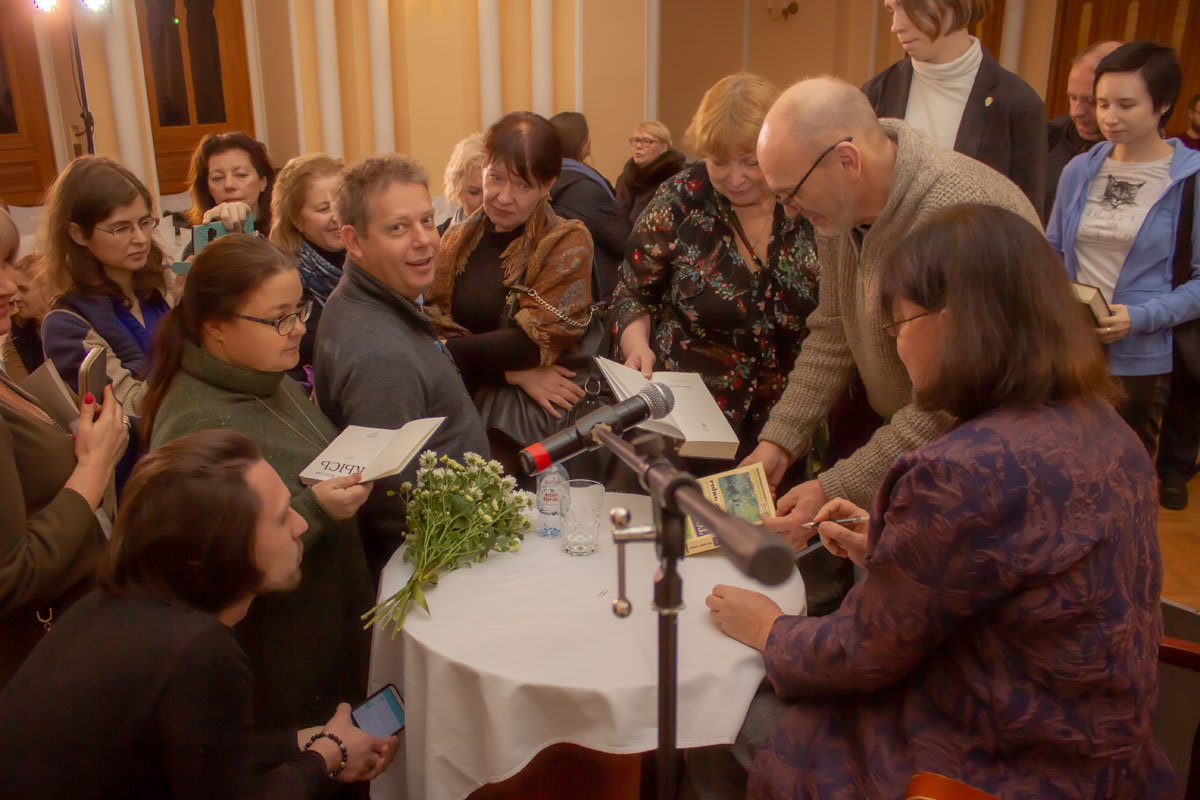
(456, 512)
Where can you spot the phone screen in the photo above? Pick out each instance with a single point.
(381, 714)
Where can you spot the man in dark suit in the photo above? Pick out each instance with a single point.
(1075, 132)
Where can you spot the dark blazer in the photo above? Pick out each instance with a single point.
(575, 195)
(1003, 125)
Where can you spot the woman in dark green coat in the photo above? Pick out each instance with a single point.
(221, 357)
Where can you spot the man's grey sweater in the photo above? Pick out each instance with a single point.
(378, 363)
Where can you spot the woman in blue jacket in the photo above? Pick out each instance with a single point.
(1114, 225)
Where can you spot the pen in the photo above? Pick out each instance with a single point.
(845, 521)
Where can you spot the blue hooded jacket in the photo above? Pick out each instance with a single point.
(1144, 284)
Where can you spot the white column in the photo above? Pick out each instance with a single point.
(541, 42)
(301, 141)
(328, 88)
(579, 55)
(382, 110)
(254, 68)
(650, 95)
(119, 50)
(489, 62)
(1010, 34)
(58, 128)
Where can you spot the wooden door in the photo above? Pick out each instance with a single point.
(197, 78)
(1083, 22)
(26, 153)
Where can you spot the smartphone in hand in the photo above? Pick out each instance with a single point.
(204, 235)
(381, 714)
(93, 374)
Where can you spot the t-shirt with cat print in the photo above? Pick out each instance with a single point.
(1118, 200)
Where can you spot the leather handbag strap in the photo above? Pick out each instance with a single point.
(1182, 265)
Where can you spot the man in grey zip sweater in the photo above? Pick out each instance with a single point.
(378, 362)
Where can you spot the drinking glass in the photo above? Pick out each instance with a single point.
(583, 517)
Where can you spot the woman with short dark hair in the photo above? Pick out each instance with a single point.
(221, 361)
(952, 89)
(231, 177)
(1006, 629)
(498, 334)
(143, 685)
(1115, 224)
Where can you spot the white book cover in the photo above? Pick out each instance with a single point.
(696, 418)
(374, 452)
(55, 397)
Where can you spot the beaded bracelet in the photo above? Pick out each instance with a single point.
(336, 740)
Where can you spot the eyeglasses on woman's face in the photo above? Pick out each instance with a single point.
(123, 231)
(284, 324)
(893, 329)
(641, 141)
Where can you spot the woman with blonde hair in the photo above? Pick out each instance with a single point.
(305, 225)
(21, 350)
(464, 180)
(717, 278)
(52, 484)
(654, 160)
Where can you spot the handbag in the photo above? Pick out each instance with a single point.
(509, 410)
(1186, 336)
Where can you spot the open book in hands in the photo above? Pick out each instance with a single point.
(696, 418)
(374, 452)
(743, 492)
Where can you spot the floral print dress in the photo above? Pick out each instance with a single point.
(741, 330)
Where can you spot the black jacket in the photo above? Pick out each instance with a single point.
(576, 195)
(1003, 124)
(637, 185)
(1063, 143)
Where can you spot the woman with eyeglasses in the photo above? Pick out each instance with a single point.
(718, 279)
(652, 162)
(104, 268)
(221, 361)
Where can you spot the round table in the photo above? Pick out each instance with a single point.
(523, 651)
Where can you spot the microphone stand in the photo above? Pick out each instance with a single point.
(645, 455)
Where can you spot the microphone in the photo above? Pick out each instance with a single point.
(654, 401)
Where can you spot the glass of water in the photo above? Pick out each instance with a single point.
(583, 518)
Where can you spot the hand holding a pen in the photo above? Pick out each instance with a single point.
(845, 540)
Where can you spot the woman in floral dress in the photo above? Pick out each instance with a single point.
(717, 279)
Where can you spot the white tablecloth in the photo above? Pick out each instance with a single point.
(523, 651)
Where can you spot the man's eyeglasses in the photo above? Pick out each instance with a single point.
(125, 230)
(283, 325)
(784, 198)
(643, 141)
(893, 329)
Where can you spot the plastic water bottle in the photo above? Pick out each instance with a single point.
(553, 498)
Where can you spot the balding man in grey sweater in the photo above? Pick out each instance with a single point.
(863, 183)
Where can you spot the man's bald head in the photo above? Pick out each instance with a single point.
(824, 109)
(1081, 89)
(824, 133)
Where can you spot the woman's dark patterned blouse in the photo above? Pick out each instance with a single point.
(710, 314)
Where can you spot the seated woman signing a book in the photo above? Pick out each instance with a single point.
(512, 286)
(1006, 630)
(717, 278)
(220, 361)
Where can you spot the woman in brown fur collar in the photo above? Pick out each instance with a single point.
(512, 289)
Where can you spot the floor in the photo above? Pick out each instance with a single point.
(1179, 538)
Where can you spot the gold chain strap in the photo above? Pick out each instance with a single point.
(566, 320)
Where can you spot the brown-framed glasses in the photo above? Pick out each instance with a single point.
(893, 329)
(784, 198)
(284, 325)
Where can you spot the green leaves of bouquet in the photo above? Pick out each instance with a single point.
(457, 514)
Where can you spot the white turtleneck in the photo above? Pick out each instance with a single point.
(939, 94)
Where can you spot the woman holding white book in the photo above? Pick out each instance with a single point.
(221, 359)
(718, 279)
